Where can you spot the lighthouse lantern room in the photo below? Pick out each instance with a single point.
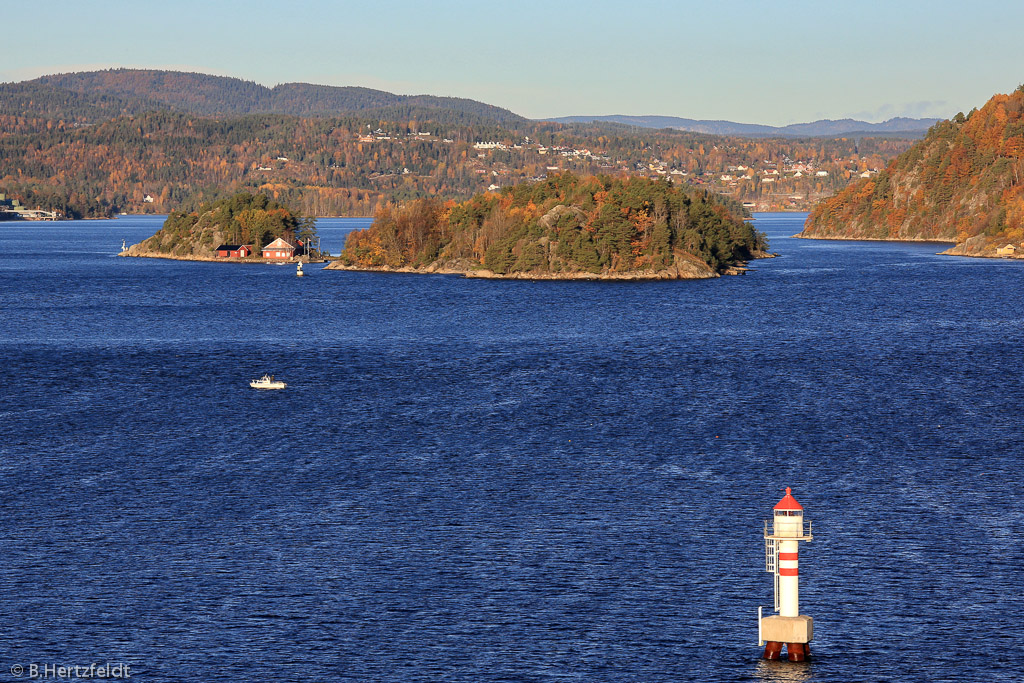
(782, 546)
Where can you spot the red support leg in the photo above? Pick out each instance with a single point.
(772, 650)
(796, 652)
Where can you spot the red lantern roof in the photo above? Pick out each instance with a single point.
(788, 502)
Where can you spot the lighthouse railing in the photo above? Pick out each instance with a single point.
(805, 533)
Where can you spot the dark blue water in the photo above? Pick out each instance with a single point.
(472, 480)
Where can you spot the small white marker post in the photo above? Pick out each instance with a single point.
(760, 640)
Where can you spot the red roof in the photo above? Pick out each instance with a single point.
(788, 502)
(279, 243)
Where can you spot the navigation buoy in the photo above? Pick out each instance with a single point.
(781, 551)
(298, 271)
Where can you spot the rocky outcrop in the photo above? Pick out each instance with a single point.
(165, 245)
(241, 219)
(684, 267)
(986, 247)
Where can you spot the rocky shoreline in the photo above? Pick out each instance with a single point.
(131, 252)
(981, 246)
(682, 269)
(933, 240)
(974, 247)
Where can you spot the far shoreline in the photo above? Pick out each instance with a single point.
(801, 236)
(951, 250)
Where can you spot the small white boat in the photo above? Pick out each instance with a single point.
(267, 382)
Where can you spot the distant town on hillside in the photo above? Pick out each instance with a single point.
(144, 141)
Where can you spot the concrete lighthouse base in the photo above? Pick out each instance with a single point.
(788, 629)
(795, 632)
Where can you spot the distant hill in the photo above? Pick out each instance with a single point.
(137, 90)
(34, 99)
(964, 182)
(823, 128)
(96, 95)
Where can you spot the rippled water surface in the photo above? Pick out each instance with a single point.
(471, 480)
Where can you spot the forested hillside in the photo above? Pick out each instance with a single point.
(962, 183)
(222, 96)
(565, 226)
(102, 150)
(41, 103)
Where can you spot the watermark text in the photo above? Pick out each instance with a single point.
(72, 671)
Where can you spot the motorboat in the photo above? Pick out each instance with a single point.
(267, 382)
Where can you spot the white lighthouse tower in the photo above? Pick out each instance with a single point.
(782, 549)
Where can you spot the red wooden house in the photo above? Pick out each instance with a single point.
(234, 250)
(281, 249)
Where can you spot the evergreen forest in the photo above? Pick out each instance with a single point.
(565, 224)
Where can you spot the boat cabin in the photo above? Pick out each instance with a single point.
(234, 251)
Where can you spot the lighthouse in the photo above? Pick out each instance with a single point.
(782, 551)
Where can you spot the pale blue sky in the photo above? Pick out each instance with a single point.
(758, 62)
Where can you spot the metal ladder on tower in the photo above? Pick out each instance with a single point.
(771, 561)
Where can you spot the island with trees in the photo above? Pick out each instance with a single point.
(963, 183)
(564, 227)
(245, 220)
